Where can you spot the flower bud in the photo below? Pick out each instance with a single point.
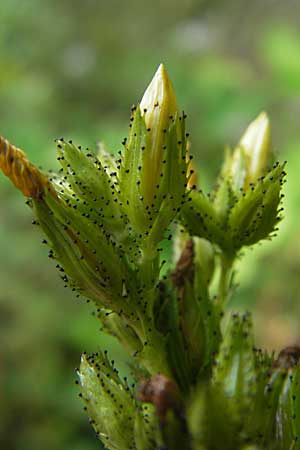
(152, 176)
(256, 144)
(157, 106)
(234, 371)
(244, 207)
(245, 165)
(24, 175)
(191, 319)
(103, 392)
(211, 410)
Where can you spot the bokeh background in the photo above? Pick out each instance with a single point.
(73, 69)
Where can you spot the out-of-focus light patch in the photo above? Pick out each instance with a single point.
(280, 52)
(193, 36)
(275, 330)
(78, 60)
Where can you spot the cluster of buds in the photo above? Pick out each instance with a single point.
(201, 385)
(244, 207)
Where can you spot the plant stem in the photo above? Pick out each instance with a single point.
(225, 279)
(154, 354)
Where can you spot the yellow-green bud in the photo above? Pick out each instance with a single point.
(256, 145)
(152, 176)
(157, 106)
(247, 194)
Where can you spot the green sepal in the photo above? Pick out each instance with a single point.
(83, 249)
(146, 429)
(233, 220)
(223, 200)
(107, 160)
(288, 411)
(238, 169)
(158, 229)
(168, 323)
(192, 327)
(255, 215)
(151, 208)
(109, 402)
(175, 432)
(224, 194)
(211, 319)
(174, 162)
(200, 218)
(213, 420)
(263, 426)
(235, 369)
(90, 186)
(119, 326)
(154, 360)
(293, 413)
(78, 272)
(129, 176)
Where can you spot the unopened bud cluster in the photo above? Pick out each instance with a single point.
(244, 207)
(198, 381)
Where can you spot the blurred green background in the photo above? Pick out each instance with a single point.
(73, 69)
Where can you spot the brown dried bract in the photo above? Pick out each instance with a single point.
(288, 357)
(162, 392)
(24, 175)
(185, 266)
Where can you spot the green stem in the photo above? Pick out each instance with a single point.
(225, 278)
(154, 355)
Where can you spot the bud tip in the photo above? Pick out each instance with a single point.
(256, 143)
(159, 94)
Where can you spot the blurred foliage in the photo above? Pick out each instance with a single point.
(73, 69)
